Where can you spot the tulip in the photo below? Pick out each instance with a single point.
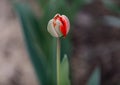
(59, 26)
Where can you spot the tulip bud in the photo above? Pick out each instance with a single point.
(59, 26)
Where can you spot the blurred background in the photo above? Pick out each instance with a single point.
(17, 30)
(15, 65)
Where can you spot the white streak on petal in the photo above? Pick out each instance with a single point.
(57, 28)
(51, 28)
(67, 22)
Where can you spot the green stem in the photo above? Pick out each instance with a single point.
(58, 61)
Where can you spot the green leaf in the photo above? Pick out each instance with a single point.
(39, 44)
(28, 23)
(95, 78)
(64, 71)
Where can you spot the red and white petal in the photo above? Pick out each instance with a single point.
(51, 28)
(59, 26)
(63, 29)
(67, 23)
(56, 16)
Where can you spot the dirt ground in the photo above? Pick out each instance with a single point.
(15, 65)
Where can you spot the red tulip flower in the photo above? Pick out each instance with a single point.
(59, 26)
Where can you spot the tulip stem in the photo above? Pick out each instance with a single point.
(58, 61)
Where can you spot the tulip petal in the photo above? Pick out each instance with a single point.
(57, 16)
(51, 28)
(63, 29)
(63, 26)
(67, 23)
(57, 28)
